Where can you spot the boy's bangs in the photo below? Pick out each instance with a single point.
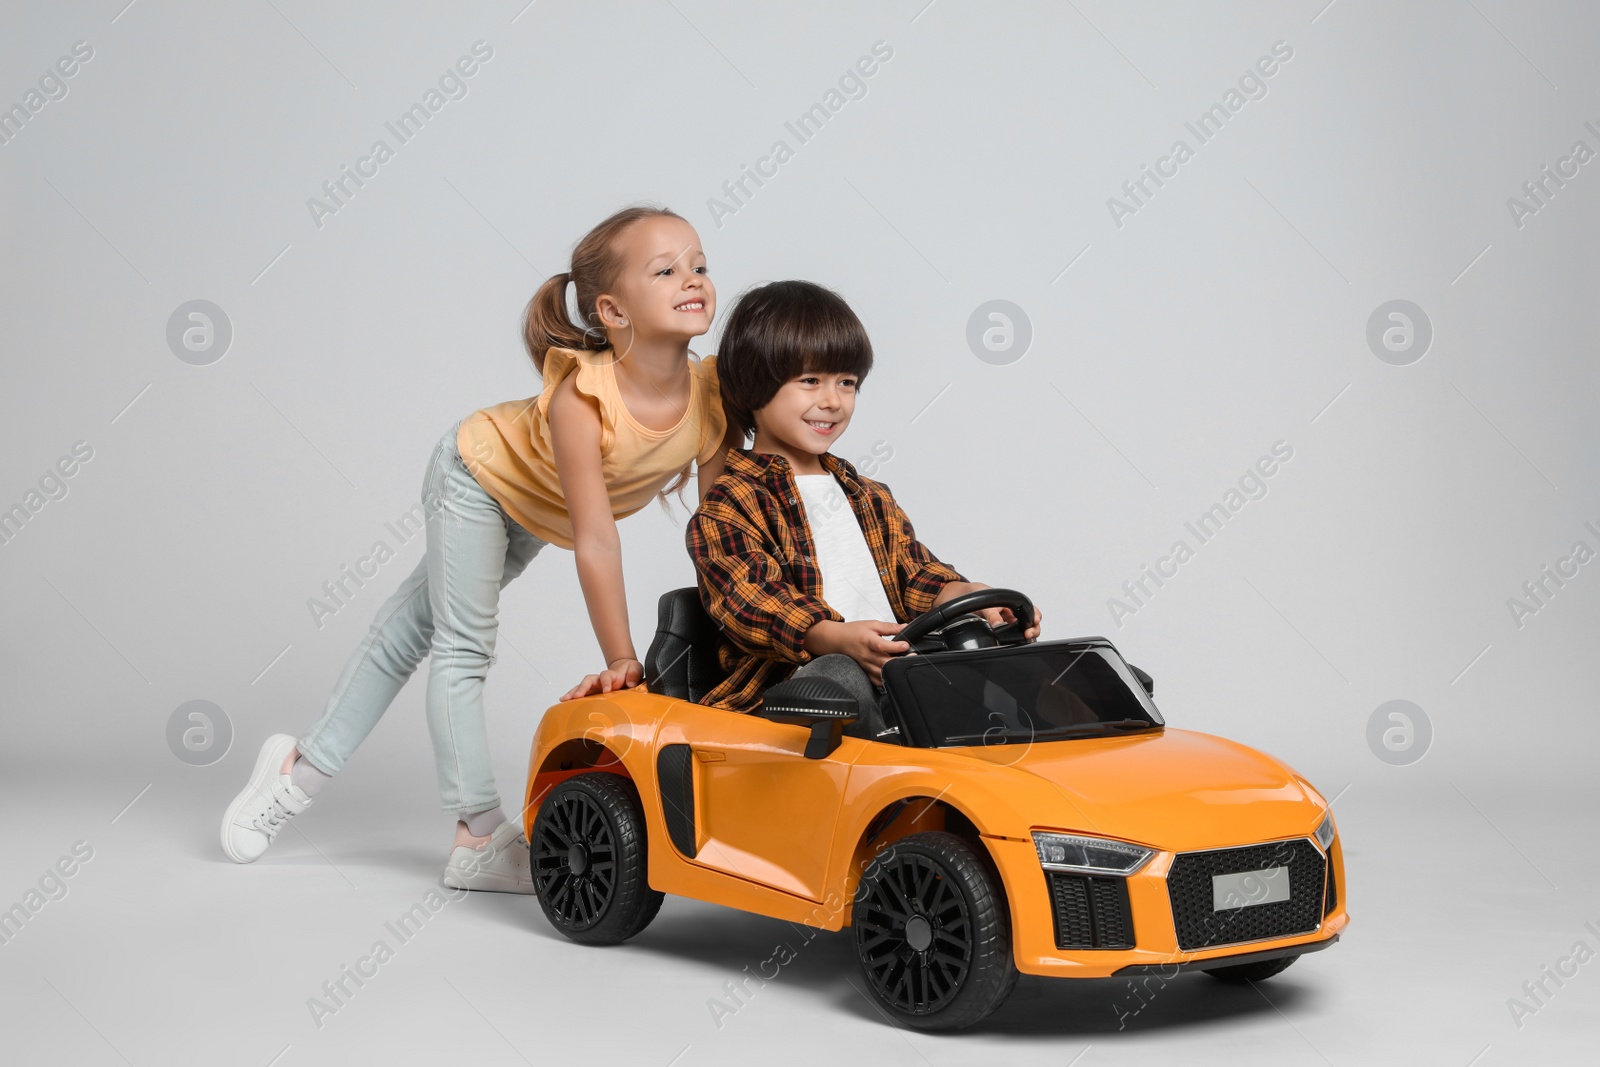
(820, 336)
(780, 331)
(828, 350)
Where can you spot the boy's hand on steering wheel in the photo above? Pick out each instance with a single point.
(868, 643)
(621, 673)
(997, 616)
(993, 616)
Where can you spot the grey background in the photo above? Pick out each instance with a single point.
(1228, 313)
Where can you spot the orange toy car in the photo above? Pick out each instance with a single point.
(1018, 806)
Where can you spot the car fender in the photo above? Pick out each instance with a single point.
(999, 802)
(614, 732)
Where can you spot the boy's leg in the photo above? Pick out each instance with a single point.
(837, 667)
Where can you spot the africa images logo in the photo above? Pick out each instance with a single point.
(452, 85)
(852, 85)
(1252, 485)
(1252, 85)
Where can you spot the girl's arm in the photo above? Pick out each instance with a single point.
(709, 471)
(575, 435)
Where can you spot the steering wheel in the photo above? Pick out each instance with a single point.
(1006, 634)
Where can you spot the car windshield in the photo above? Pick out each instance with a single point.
(1026, 694)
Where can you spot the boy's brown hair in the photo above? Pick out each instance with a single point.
(780, 331)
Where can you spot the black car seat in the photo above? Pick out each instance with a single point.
(682, 659)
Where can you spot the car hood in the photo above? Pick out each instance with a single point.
(1175, 790)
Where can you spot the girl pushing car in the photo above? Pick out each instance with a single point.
(624, 412)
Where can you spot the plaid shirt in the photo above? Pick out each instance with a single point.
(758, 572)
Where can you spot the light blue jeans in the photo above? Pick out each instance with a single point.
(448, 608)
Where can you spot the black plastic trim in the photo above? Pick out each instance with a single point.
(675, 776)
(1332, 900)
(1235, 960)
(1090, 911)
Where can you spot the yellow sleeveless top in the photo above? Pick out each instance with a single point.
(508, 449)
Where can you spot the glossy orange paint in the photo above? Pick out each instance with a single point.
(781, 835)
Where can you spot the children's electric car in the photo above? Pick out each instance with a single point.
(1014, 806)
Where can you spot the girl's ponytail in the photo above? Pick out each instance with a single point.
(545, 323)
(595, 263)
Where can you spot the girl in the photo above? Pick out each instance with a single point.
(623, 412)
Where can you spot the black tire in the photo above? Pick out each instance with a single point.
(951, 968)
(1252, 972)
(589, 860)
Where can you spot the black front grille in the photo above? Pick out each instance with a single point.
(1189, 886)
(1090, 911)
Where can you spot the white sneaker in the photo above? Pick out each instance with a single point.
(267, 802)
(501, 866)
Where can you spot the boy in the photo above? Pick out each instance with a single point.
(801, 561)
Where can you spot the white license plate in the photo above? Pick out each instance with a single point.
(1248, 888)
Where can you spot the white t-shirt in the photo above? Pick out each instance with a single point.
(850, 581)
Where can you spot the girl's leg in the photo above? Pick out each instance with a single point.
(476, 829)
(399, 637)
(395, 644)
(489, 852)
(473, 550)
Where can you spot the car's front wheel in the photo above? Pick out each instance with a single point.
(933, 934)
(589, 860)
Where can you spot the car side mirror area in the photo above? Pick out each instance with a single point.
(824, 706)
(1145, 680)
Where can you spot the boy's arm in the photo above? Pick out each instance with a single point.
(743, 588)
(921, 574)
(926, 583)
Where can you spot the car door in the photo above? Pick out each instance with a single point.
(741, 798)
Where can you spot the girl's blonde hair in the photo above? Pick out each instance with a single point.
(595, 265)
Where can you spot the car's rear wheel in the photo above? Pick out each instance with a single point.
(589, 860)
(1252, 972)
(933, 934)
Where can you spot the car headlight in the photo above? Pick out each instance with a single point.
(1325, 831)
(1090, 855)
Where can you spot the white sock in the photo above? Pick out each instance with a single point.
(306, 778)
(484, 823)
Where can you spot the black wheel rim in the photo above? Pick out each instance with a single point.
(916, 892)
(575, 859)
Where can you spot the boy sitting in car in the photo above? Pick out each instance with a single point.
(806, 567)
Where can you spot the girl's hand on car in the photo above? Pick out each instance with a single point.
(868, 643)
(619, 674)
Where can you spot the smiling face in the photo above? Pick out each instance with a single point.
(805, 417)
(663, 291)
